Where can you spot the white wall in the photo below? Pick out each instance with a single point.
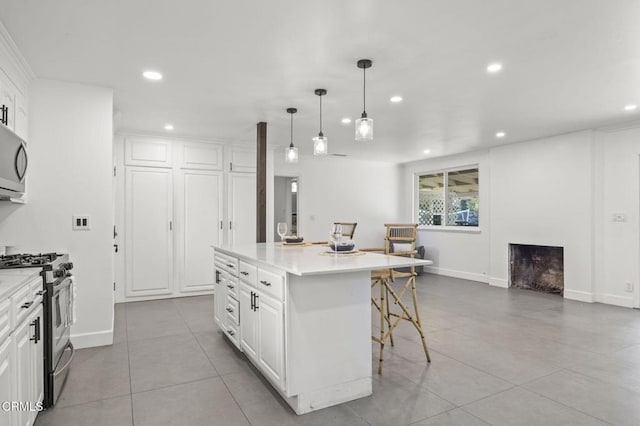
(70, 173)
(541, 194)
(460, 253)
(617, 247)
(344, 190)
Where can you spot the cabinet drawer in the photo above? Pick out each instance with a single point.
(271, 283)
(227, 263)
(5, 319)
(21, 301)
(232, 309)
(35, 288)
(232, 286)
(248, 273)
(231, 330)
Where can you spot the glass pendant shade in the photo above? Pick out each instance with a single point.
(291, 155)
(364, 129)
(320, 145)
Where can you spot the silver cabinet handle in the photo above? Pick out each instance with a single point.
(245, 273)
(27, 305)
(230, 265)
(231, 333)
(267, 283)
(229, 309)
(231, 286)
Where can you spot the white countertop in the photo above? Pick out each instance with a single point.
(310, 260)
(12, 279)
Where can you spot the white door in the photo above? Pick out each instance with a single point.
(248, 322)
(6, 378)
(242, 208)
(22, 377)
(271, 342)
(37, 353)
(220, 300)
(149, 231)
(200, 223)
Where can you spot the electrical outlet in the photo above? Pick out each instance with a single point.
(81, 222)
(629, 287)
(619, 217)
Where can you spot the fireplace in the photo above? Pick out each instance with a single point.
(538, 268)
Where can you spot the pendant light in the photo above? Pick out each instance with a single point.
(364, 124)
(291, 155)
(320, 142)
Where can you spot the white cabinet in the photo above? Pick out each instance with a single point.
(37, 356)
(270, 335)
(8, 99)
(242, 160)
(6, 378)
(201, 156)
(241, 208)
(21, 116)
(261, 302)
(219, 299)
(148, 231)
(23, 370)
(199, 225)
(248, 322)
(146, 151)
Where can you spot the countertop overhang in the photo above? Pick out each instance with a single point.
(313, 260)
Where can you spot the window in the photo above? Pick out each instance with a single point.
(448, 198)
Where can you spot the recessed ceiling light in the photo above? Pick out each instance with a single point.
(396, 99)
(168, 127)
(494, 67)
(630, 107)
(500, 135)
(152, 75)
(346, 120)
(427, 151)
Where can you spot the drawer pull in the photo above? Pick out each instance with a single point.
(267, 283)
(245, 273)
(231, 286)
(231, 333)
(229, 309)
(27, 305)
(230, 265)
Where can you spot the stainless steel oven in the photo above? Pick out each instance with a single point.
(61, 347)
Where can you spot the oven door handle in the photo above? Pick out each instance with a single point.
(66, 365)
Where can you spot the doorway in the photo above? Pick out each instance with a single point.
(286, 191)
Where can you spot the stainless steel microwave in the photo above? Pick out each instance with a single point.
(13, 163)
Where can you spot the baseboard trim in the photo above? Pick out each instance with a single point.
(471, 276)
(581, 296)
(90, 340)
(498, 282)
(612, 299)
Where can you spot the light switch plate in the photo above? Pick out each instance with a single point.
(81, 222)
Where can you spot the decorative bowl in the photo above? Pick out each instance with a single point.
(342, 246)
(292, 239)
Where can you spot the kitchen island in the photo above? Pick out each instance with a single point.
(302, 316)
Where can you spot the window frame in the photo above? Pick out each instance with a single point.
(445, 171)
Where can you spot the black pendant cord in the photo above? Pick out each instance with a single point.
(320, 117)
(291, 144)
(364, 92)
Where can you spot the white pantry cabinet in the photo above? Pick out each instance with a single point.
(241, 208)
(242, 160)
(199, 224)
(148, 231)
(178, 202)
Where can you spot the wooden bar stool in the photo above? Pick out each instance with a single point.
(400, 240)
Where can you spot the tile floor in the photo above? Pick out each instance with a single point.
(499, 357)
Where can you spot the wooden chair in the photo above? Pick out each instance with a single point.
(400, 240)
(348, 229)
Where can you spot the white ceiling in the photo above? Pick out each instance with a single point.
(568, 65)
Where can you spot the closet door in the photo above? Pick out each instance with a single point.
(200, 227)
(149, 231)
(241, 200)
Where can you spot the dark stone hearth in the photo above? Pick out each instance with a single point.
(539, 268)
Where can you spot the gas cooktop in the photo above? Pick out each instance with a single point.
(27, 260)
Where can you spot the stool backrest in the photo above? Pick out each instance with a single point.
(348, 228)
(400, 237)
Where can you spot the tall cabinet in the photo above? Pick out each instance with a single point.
(180, 197)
